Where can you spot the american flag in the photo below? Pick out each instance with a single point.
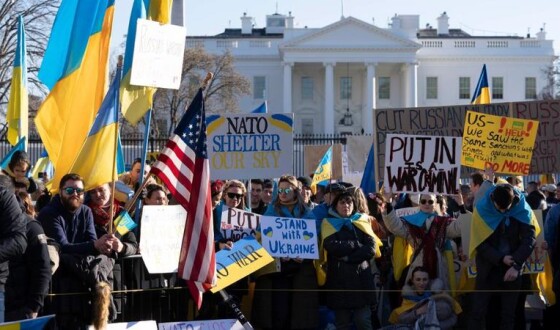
(183, 167)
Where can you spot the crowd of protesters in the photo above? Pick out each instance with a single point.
(378, 268)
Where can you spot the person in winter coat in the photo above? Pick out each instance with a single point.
(349, 244)
(424, 302)
(287, 299)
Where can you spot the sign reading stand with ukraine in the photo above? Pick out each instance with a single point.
(289, 237)
(245, 146)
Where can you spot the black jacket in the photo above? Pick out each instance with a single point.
(12, 232)
(348, 271)
(30, 274)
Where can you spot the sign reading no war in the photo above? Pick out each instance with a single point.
(245, 146)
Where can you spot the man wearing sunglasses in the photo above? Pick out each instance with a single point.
(83, 256)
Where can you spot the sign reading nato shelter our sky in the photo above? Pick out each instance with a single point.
(422, 164)
(245, 146)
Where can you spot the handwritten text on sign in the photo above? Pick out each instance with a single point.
(290, 238)
(423, 164)
(245, 257)
(505, 144)
(237, 224)
(250, 146)
(225, 324)
(162, 235)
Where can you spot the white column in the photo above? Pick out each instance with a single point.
(412, 84)
(371, 98)
(288, 87)
(329, 98)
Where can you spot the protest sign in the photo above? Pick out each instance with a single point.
(158, 55)
(406, 211)
(161, 236)
(237, 224)
(289, 237)
(245, 257)
(450, 121)
(505, 144)
(226, 324)
(422, 164)
(136, 325)
(245, 146)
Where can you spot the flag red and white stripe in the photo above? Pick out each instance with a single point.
(184, 168)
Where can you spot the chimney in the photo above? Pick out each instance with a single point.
(443, 24)
(290, 21)
(246, 24)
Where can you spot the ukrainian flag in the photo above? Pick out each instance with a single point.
(137, 100)
(96, 161)
(482, 92)
(486, 218)
(261, 108)
(74, 68)
(31, 324)
(368, 183)
(20, 146)
(16, 113)
(323, 171)
(43, 164)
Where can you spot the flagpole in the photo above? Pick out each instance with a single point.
(116, 105)
(227, 298)
(143, 164)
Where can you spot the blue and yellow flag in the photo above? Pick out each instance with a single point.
(43, 165)
(368, 183)
(124, 223)
(136, 100)
(96, 161)
(20, 146)
(481, 94)
(31, 324)
(17, 112)
(486, 218)
(75, 70)
(323, 172)
(263, 108)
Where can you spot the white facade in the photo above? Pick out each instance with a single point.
(333, 78)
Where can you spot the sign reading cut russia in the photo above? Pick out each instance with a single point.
(505, 144)
(246, 146)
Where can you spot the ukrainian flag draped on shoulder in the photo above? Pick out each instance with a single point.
(136, 100)
(486, 218)
(17, 112)
(482, 92)
(75, 70)
(323, 171)
(96, 161)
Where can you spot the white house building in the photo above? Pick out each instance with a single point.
(333, 78)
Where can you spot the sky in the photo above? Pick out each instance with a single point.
(477, 17)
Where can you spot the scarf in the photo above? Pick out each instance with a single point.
(100, 216)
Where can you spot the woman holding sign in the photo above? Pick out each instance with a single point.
(349, 244)
(288, 298)
(422, 240)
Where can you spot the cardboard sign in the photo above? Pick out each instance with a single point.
(237, 224)
(289, 237)
(202, 325)
(161, 236)
(314, 155)
(505, 144)
(245, 146)
(422, 164)
(246, 257)
(450, 121)
(158, 55)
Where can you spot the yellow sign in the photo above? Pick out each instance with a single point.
(246, 257)
(505, 144)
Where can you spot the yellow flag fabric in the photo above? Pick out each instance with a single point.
(17, 112)
(324, 170)
(137, 100)
(75, 70)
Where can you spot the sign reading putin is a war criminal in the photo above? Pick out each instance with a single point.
(422, 164)
(245, 146)
(237, 224)
(505, 144)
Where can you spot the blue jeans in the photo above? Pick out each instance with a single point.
(1, 306)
